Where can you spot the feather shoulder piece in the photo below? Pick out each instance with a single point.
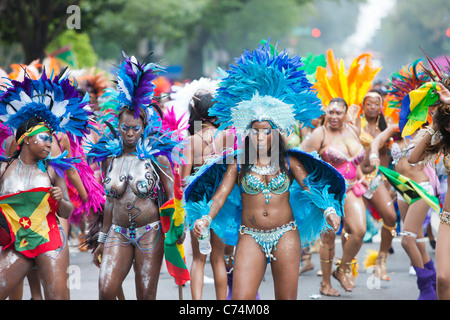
(109, 145)
(160, 143)
(60, 163)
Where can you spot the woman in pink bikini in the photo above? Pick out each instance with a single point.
(337, 143)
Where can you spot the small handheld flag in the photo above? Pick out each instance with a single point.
(31, 217)
(172, 220)
(410, 190)
(414, 111)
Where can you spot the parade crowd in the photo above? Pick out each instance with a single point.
(268, 161)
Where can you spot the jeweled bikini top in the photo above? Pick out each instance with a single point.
(336, 157)
(251, 184)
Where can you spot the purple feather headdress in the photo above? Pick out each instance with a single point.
(135, 84)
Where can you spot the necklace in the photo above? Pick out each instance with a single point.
(266, 170)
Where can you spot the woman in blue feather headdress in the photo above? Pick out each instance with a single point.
(32, 181)
(268, 201)
(137, 158)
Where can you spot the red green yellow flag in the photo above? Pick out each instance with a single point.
(410, 190)
(31, 218)
(172, 221)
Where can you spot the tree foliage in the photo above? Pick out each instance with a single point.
(34, 24)
(411, 25)
(81, 47)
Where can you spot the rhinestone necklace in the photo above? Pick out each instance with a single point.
(266, 170)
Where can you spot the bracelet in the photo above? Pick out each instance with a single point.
(431, 131)
(102, 237)
(444, 217)
(207, 217)
(373, 156)
(328, 211)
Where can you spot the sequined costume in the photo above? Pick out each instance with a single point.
(267, 85)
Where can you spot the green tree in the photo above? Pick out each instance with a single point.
(34, 24)
(81, 47)
(234, 25)
(139, 25)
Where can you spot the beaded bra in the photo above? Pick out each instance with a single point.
(254, 185)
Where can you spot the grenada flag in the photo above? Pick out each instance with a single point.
(31, 218)
(172, 222)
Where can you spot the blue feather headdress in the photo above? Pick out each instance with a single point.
(135, 92)
(54, 100)
(135, 84)
(265, 86)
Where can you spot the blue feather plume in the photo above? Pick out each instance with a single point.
(135, 84)
(59, 163)
(55, 100)
(265, 73)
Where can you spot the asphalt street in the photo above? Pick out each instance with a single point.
(83, 279)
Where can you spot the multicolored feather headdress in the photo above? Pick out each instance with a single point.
(135, 84)
(55, 100)
(438, 72)
(265, 86)
(401, 82)
(414, 109)
(135, 92)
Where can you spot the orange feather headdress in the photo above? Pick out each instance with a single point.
(352, 85)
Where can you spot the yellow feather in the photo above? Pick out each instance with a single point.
(354, 266)
(352, 86)
(370, 258)
(343, 81)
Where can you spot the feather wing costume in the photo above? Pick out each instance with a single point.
(265, 85)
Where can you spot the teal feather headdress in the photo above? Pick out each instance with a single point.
(265, 85)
